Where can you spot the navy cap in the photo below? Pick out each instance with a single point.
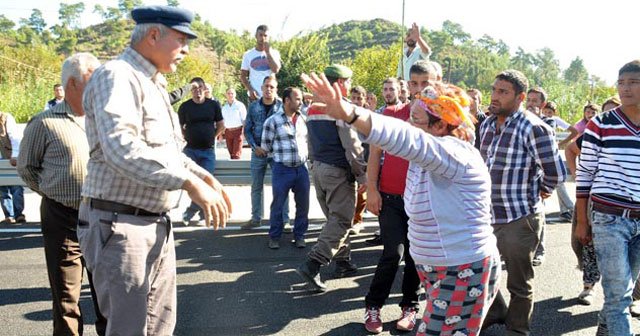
(172, 17)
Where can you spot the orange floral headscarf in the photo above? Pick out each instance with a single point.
(451, 107)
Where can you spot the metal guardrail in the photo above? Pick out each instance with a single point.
(236, 172)
(228, 172)
(9, 175)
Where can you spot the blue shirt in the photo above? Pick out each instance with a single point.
(256, 116)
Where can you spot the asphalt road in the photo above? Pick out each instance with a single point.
(230, 283)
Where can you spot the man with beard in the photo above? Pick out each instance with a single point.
(391, 94)
(525, 166)
(411, 54)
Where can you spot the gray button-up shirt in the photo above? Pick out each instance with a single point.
(134, 136)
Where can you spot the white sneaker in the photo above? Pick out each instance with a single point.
(586, 296)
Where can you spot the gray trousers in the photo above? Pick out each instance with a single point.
(337, 198)
(133, 262)
(517, 242)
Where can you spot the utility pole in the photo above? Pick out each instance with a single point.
(402, 43)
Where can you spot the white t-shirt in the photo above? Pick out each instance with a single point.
(234, 114)
(560, 123)
(257, 64)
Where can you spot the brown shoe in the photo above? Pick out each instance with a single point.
(8, 220)
(21, 219)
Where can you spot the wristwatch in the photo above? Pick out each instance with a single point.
(354, 117)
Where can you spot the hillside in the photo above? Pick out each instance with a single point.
(347, 38)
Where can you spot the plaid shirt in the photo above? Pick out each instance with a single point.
(54, 154)
(523, 159)
(134, 136)
(287, 142)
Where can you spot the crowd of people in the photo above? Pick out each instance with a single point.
(458, 189)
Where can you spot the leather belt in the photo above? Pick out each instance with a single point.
(121, 208)
(616, 211)
(391, 196)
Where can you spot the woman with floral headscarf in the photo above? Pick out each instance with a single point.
(447, 198)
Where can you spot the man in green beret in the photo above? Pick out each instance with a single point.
(338, 162)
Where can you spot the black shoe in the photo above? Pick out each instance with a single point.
(567, 216)
(344, 268)
(310, 272)
(250, 225)
(376, 240)
(488, 323)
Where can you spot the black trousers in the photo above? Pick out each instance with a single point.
(393, 233)
(64, 267)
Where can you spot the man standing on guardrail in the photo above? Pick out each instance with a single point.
(53, 163)
(11, 197)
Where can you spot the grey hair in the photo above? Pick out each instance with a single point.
(437, 68)
(77, 65)
(141, 30)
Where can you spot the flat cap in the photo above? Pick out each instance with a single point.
(175, 18)
(338, 71)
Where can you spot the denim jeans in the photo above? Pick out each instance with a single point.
(564, 200)
(617, 243)
(205, 158)
(283, 180)
(258, 170)
(12, 198)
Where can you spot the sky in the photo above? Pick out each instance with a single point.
(599, 32)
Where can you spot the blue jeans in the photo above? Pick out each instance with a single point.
(205, 158)
(297, 180)
(258, 170)
(617, 243)
(12, 198)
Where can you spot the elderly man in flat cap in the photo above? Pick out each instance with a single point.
(136, 170)
(338, 162)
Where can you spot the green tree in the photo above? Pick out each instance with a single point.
(455, 31)
(373, 65)
(301, 54)
(5, 24)
(69, 14)
(547, 67)
(125, 6)
(35, 21)
(173, 3)
(576, 72)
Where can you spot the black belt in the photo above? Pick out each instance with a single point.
(616, 211)
(391, 196)
(121, 208)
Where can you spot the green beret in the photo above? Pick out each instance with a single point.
(338, 71)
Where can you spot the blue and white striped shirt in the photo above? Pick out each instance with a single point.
(523, 159)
